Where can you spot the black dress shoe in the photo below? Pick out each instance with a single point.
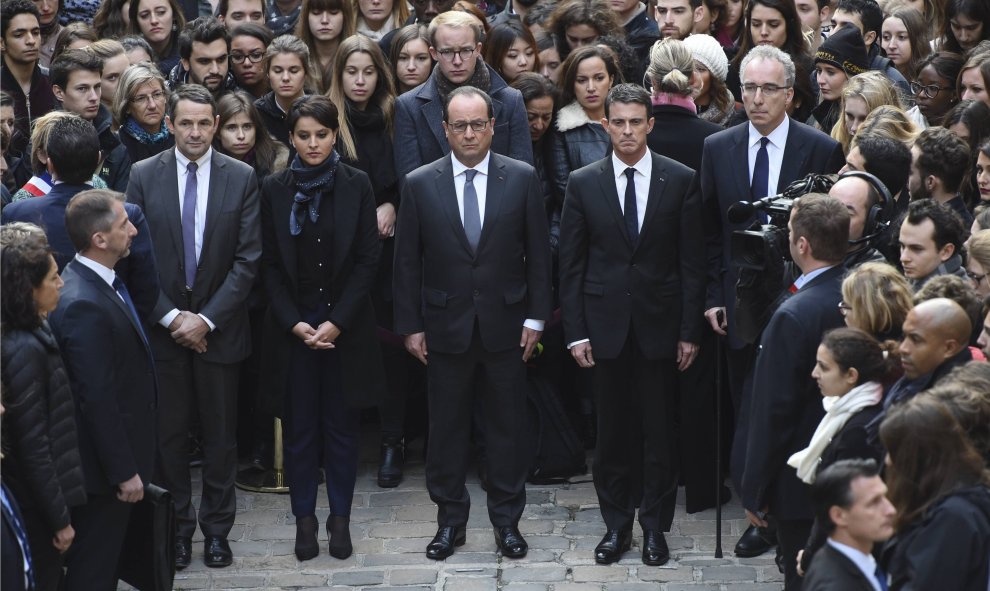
(183, 552)
(307, 546)
(655, 551)
(510, 542)
(612, 546)
(753, 543)
(443, 543)
(339, 532)
(216, 552)
(390, 467)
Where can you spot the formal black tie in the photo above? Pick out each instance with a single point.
(632, 218)
(125, 295)
(760, 187)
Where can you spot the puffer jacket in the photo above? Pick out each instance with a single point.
(42, 466)
(578, 142)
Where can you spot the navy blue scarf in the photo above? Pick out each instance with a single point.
(311, 182)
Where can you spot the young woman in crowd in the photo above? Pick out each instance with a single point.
(410, 57)
(970, 121)
(587, 76)
(511, 50)
(321, 246)
(242, 135)
(712, 98)
(137, 49)
(48, 19)
(904, 38)
(983, 180)
(73, 36)
(540, 97)
(713, 15)
(112, 19)
(576, 23)
(159, 22)
(287, 64)
(377, 17)
(863, 93)
(974, 78)
(937, 481)
(139, 107)
(965, 25)
(774, 22)
(876, 299)
(322, 25)
(114, 63)
(935, 87)
(41, 462)
(729, 34)
(839, 58)
(549, 56)
(248, 43)
(978, 262)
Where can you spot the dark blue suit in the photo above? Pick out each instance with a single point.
(139, 271)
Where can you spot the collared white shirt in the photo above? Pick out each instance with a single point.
(805, 278)
(864, 562)
(480, 183)
(775, 153)
(641, 179)
(107, 274)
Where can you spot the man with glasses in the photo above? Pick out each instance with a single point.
(779, 150)
(455, 43)
(472, 294)
(204, 49)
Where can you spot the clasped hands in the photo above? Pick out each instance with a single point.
(190, 330)
(318, 338)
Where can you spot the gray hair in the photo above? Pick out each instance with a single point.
(769, 52)
(133, 77)
(671, 66)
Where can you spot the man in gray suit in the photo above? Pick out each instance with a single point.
(203, 211)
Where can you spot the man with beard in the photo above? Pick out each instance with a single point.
(939, 162)
(204, 52)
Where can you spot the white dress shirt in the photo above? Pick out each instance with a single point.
(803, 279)
(775, 153)
(480, 183)
(105, 273)
(202, 200)
(864, 562)
(641, 179)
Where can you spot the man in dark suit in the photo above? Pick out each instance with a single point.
(851, 507)
(455, 43)
(631, 286)
(780, 151)
(73, 151)
(203, 211)
(472, 270)
(112, 375)
(785, 406)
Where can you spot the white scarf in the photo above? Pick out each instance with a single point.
(838, 410)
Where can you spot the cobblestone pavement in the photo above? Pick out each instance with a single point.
(391, 527)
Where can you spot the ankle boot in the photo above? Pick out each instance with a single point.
(392, 458)
(339, 532)
(307, 546)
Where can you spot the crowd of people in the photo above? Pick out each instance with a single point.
(219, 213)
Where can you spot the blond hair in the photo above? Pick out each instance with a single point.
(671, 66)
(879, 299)
(455, 19)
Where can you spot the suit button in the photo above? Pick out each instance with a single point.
(477, 293)
(628, 293)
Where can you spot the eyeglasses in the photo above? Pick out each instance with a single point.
(976, 279)
(459, 127)
(768, 89)
(931, 91)
(844, 309)
(253, 57)
(156, 97)
(448, 54)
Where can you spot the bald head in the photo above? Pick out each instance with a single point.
(934, 331)
(854, 193)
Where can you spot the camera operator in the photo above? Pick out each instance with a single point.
(931, 238)
(785, 407)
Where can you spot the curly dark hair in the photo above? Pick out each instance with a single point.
(943, 155)
(949, 227)
(25, 261)
(595, 13)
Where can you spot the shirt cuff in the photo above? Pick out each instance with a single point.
(536, 325)
(167, 319)
(208, 323)
(575, 343)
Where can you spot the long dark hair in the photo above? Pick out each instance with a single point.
(178, 22)
(499, 41)
(25, 260)
(108, 22)
(794, 44)
(266, 148)
(570, 66)
(975, 10)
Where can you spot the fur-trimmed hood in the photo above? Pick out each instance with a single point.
(571, 117)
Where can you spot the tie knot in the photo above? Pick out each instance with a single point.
(469, 174)
(192, 167)
(764, 141)
(117, 283)
(630, 173)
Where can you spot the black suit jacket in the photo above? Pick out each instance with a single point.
(680, 134)
(786, 402)
(607, 283)
(830, 570)
(725, 180)
(442, 288)
(228, 261)
(112, 376)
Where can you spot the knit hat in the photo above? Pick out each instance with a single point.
(845, 50)
(708, 51)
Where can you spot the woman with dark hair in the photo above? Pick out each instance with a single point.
(730, 31)
(970, 120)
(904, 38)
(159, 22)
(41, 462)
(540, 97)
(935, 87)
(242, 135)
(410, 57)
(111, 20)
(319, 261)
(577, 23)
(965, 25)
(714, 101)
(322, 25)
(248, 43)
(287, 64)
(983, 182)
(937, 481)
(511, 50)
(548, 56)
(775, 22)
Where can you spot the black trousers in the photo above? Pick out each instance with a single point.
(792, 535)
(498, 380)
(101, 525)
(45, 558)
(191, 386)
(635, 463)
(740, 363)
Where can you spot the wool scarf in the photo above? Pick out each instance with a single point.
(311, 182)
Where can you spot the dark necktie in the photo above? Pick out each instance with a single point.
(760, 187)
(472, 214)
(632, 219)
(881, 578)
(125, 295)
(189, 223)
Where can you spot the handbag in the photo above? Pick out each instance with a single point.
(147, 560)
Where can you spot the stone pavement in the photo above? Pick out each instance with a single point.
(391, 527)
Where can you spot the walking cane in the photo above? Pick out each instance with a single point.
(718, 441)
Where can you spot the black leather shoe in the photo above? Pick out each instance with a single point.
(510, 542)
(339, 532)
(655, 551)
(612, 546)
(216, 552)
(444, 542)
(390, 468)
(307, 546)
(753, 543)
(183, 552)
